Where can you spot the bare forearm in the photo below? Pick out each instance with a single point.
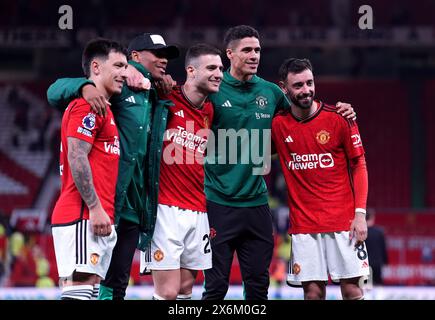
(82, 175)
(81, 170)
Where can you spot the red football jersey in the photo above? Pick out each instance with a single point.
(182, 164)
(79, 121)
(314, 154)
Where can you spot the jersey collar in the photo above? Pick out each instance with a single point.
(311, 117)
(228, 78)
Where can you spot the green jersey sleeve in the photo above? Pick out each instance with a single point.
(63, 90)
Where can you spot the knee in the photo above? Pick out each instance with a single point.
(314, 291)
(168, 293)
(352, 293)
(351, 290)
(313, 295)
(186, 289)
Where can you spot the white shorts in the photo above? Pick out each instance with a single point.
(315, 256)
(180, 240)
(77, 249)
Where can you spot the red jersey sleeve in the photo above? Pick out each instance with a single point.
(360, 181)
(352, 139)
(83, 123)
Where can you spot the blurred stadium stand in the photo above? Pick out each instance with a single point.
(387, 74)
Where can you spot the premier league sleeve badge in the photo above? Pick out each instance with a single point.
(88, 121)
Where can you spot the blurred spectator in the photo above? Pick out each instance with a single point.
(281, 220)
(376, 247)
(41, 122)
(426, 254)
(282, 257)
(23, 267)
(42, 269)
(21, 109)
(3, 248)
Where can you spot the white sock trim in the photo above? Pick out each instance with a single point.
(184, 296)
(95, 291)
(80, 292)
(157, 297)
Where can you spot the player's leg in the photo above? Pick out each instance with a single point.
(166, 284)
(79, 286)
(163, 257)
(255, 251)
(70, 249)
(225, 225)
(308, 266)
(351, 289)
(82, 258)
(114, 286)
(186, 283)
(197, 253)
(348, 263)
(314, 290)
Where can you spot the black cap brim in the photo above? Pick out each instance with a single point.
(171, 52)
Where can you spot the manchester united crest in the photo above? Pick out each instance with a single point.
(261, 102)
(212, 233)
(94, 258)
(323, 136)
(296, 268)
(158, 255)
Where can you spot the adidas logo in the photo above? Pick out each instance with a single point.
(365, 264)
(227, 104)
(130, 99)
(288, 139)
(180, 113)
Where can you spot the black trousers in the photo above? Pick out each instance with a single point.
(122, 258)
(247, 231)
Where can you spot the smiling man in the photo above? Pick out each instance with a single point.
(141, 119)
(237, 202)
(83, 217)
(237, 198)
(322, 159)
(181, 244)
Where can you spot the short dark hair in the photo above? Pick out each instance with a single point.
(200, 49)
(293, 65)
(100, 48)
(238, 33)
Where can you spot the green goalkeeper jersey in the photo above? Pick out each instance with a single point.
(237, 153)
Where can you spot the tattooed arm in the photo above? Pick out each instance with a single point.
(78, 151)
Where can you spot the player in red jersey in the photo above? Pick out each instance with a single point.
(322, 158)
(181, 244)
(82, 220)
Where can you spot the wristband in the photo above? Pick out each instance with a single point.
(361, 210)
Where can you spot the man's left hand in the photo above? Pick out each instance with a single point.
(346, 110)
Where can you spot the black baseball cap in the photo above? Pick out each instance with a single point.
(153, 41)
